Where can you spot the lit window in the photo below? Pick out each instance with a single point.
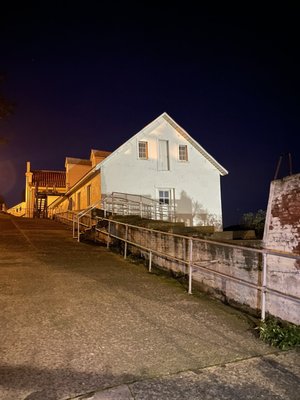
(183, 155)
(143, 150)
(164, 196)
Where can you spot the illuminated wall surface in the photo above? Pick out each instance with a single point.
(194, 184)
(161, 162)
(191, 185)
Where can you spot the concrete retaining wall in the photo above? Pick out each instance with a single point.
(244, 265)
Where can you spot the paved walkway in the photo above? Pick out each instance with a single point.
(77, 320)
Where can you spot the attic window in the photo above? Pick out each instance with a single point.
(143, 150)
(183, 154)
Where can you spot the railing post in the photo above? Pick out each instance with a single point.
(108, 232)
(150, 261)
(125, 246)
(74, 226)
(190, 264)
(264, 286)
(184, 253)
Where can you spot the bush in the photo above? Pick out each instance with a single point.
(279, 334)
(255, 221)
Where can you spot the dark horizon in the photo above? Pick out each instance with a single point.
(85, 79)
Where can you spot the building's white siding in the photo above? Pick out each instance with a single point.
(195, 182)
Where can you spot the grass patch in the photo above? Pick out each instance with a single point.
(279, 333)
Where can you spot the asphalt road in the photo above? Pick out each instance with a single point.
(77, 319)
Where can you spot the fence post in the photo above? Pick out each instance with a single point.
(108, 230)
(190, 264)
(264, 286)
(126, 237)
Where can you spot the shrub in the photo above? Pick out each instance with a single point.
(279, 334)
(255, 221)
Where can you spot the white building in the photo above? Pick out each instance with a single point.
(164, 163)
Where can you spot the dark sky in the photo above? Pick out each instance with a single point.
(87, 78)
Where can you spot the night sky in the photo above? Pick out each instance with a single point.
(92, 78)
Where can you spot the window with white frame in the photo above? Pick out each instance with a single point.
(164, 196)
(143, 150)
(182, 152)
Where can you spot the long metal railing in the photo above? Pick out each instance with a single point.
(188, 258)
(118, 204)
(193, 264)
(133, 204)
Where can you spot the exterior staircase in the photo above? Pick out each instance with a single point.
(40, 208)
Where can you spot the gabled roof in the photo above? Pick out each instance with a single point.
(77, 161)
(43, 178)
(100, 153)
(165, 117)
(201, 150)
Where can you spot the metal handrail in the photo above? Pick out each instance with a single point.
(154, 209)
(81, 214)
(191, 263)
(263, 288)
(114, 201)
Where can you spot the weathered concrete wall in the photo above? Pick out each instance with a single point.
(244, 265)
(282, 233)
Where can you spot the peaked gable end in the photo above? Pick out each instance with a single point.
(164, 118)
